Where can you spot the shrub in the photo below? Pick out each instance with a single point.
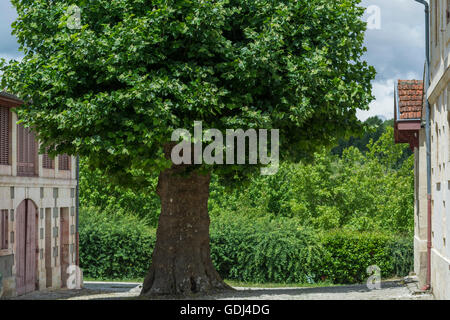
(114, 247)
(257, 250)
(263, 250)
(402, 255)
(350, 253)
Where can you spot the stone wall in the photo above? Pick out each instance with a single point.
(438, 97)
(51, 201)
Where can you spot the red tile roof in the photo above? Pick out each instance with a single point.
(410, 98)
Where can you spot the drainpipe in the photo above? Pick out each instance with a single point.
(428, 140)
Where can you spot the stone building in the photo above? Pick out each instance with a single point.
(38, 236)
(438, 97)
(410, 127)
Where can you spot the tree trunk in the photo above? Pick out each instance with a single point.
(181, 263)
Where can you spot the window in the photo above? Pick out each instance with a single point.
(4, 136)
(47, 162)
(26, 152)
(64, 162)
(3, 229)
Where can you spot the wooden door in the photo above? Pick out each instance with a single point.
(65, 243)
(26, 247)
(20, 247)
(32, 250)
(48, 247)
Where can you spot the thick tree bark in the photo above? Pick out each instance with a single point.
(181, 263)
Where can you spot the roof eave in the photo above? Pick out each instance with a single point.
(9, 100)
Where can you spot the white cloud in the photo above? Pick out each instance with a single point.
(396, 50)
(384, 103)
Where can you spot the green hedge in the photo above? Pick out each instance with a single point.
(261, 250)
(402, 255)
(114, 247)
(257, 250)
(350, 253)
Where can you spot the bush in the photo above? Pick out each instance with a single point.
(350, 253)
(280, 251)
(260, 250)
(114, 247)
(402, 254)
(265, 251)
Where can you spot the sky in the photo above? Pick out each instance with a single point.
(394, 41)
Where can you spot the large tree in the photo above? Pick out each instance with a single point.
(114, 90)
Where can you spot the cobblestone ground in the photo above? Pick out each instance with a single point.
(393, 290)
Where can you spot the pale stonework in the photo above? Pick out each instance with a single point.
(39, 189)
(438, 96)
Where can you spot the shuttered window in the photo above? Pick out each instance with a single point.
(26, 152)
(3, 229)
(47, 162)
(4, 136)
(64, 162)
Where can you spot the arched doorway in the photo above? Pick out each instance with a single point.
(26, 247)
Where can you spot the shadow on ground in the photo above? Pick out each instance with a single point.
(390, 290)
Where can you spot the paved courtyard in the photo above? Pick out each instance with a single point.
(391, 290)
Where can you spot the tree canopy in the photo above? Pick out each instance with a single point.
(115, 89)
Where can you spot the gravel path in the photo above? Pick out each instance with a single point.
(391, 290)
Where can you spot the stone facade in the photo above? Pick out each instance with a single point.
(420, 209)
(52, 192)
(438, 97)
(439, 100)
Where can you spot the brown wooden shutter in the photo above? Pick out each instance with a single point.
(4, 135)
(3, 229)
(47, 162)
(64, 162)
(26, 152)
(20, 240)
(31, 245)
